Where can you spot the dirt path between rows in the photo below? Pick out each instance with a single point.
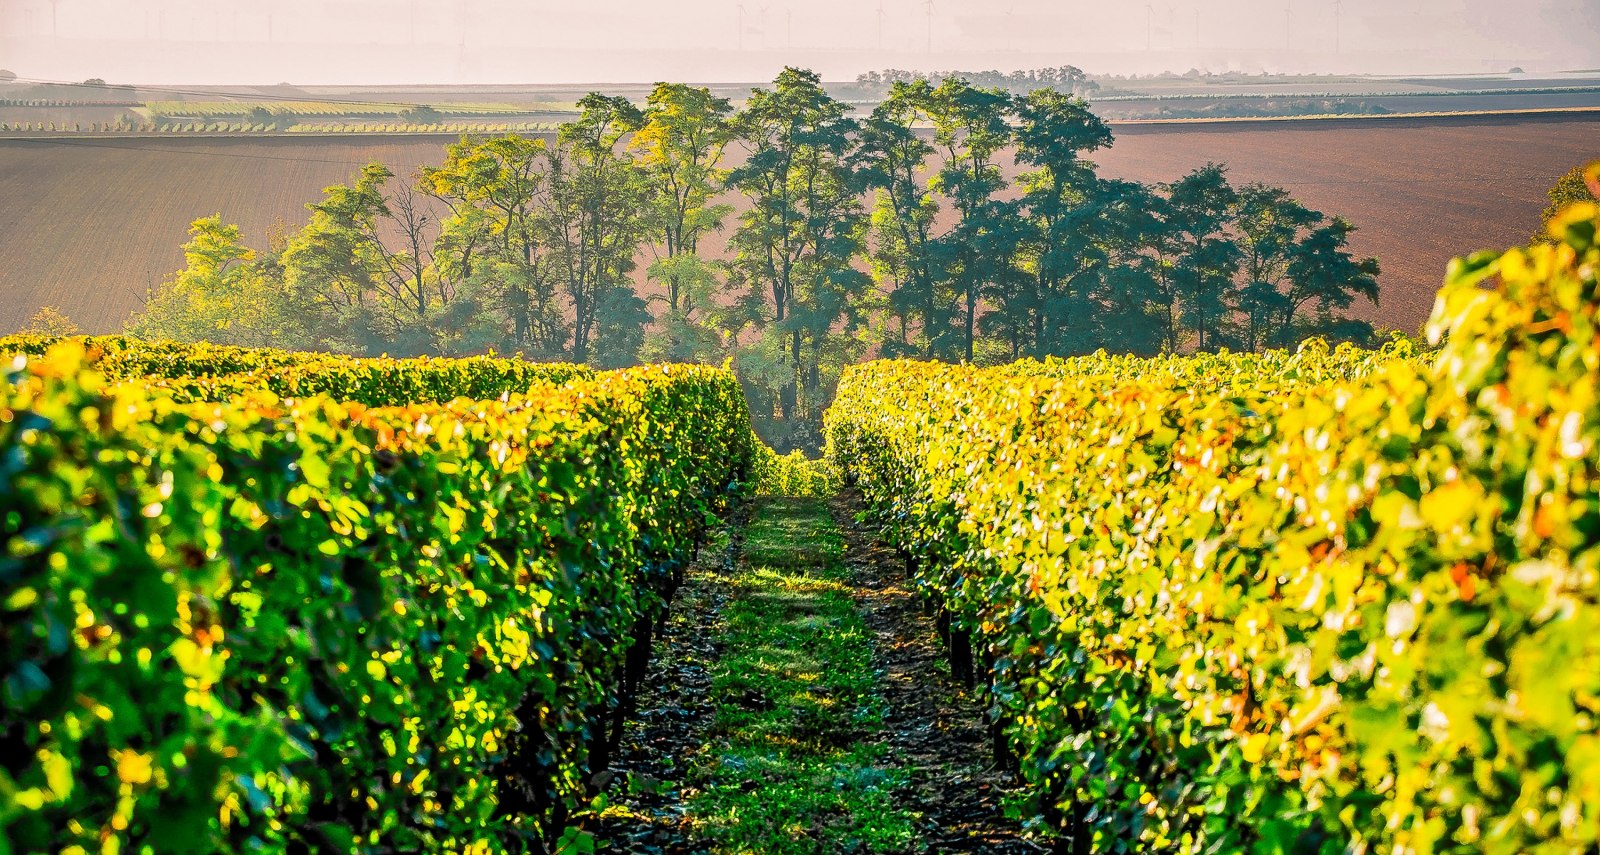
(695, 746)
(647, 812)
(935, 728)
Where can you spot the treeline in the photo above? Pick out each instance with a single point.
(1232, 108)
(1067, 78)
(898, 233)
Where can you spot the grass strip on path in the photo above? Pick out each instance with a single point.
(792, 765)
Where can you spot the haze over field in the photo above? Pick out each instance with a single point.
(1377, 175)
(483, 41)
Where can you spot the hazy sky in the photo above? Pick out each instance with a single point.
(447, 41)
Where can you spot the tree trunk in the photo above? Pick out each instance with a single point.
(972, 316)
(791, 396)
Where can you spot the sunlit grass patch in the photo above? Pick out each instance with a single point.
(796, 696)
(777, 802)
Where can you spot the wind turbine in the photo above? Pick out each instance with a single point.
(1338, 11)
(741, 26)
(1149, 27)
(880, 25)
(929, 5)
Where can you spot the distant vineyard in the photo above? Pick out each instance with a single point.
(330, 127)
(54, 103)
(303, 117)
(1323, 602)
(227, 109)
(460, 127)
(270, 602)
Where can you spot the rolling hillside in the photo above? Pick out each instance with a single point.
(89, 225)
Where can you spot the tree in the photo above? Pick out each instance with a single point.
(593, 219)
(1270, 224)
(794, 247)
(1138, 302)
(907, 256)
(1324, 275)
(1293, 259)
(679, 146)
(421, 114)
(970, 128)
(1069, 236)
(49, 321)
(365, 262)
(492, 238)
(1204, 256)
(225, 294)
(532, 245)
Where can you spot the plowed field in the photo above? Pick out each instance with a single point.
(89, 225)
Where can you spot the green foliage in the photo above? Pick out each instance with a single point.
(1254, 106)
(494, 236)
(1066, 78)
(1204, 260)
(1080, 242)
(364, 272)
(898, 235)
(1327, 601)
(49, 321)
(970, 127)
(794, 247)
(597, 212)
(224, 295)
(794, 695)
(204, 372)
(791, 474)
(1580, 184)
(1076, 263)
(905, 250)
(679, 143)
(268, 624)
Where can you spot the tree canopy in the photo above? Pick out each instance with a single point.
(955, 221)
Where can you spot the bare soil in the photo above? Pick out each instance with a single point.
(667, 734)
(935, 727)
(90, 225)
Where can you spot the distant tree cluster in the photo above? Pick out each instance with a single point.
(1064, 78)
(421, 114)
(896, 234)
(1259, 107)
(49, 321)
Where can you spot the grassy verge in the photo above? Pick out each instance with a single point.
(791, 767)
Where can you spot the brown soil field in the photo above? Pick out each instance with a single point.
(64, 116)
(89, 225)
(1420, 191)
(1135, 108)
